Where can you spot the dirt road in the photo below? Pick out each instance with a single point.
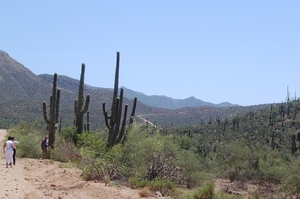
(41, 179)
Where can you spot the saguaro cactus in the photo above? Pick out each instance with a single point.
(81, 106)
(113, 122)
(293, 144)
(52, 122)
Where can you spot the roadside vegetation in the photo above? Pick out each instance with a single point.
(258, 148)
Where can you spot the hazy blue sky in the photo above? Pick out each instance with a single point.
(244, 52)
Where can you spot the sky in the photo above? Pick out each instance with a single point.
(242, 52)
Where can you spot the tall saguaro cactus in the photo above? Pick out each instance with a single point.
(81, 105)
(114, 122)
(52, 122)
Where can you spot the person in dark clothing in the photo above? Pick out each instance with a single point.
(44, 146)
(15, 149)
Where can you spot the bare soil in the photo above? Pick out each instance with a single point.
(41, 179)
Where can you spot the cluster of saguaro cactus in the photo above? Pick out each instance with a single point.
(81, 105)
(116, 122)
(52, 122)
(113, 122)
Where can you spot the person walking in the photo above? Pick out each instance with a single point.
(44, 146)
(15, 149)
(8, 150)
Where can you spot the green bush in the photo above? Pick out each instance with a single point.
(94, 160)
(222, 195)
(290, 183)
(206, 192)
(164, 186)
(64, 151)
(193, 170)
(29, 137)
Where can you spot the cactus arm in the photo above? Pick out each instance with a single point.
(118, 119)
(105, 116)
(86, 104)
(88, 121)
(119, 112)
(75, 106)
(57, 106)
(133, 111)
(45, 113)
(114, 111)
(121, 136)
(103, 107)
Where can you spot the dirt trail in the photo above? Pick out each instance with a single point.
(41, 179)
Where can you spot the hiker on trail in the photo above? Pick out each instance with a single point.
(44, 146)
(8, 150)
(15, 141)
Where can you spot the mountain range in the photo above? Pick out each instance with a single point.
(22, 94)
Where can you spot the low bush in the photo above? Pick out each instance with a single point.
(29, 137)
(164, 186)
(205, 192)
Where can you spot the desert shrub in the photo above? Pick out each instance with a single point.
(233, 174)
(64, 151)
(29, 137)
(272, 167)
(145, 192)
(67, 134)
(159, 155)
(95, 169)
(29, 146)
(134, 152)
(153, 156)
(97, 161)
(205, 192)
(93, 160)
(150, 157)
(164, 186)
(239, 161)
(24, 128)
(223, 195)
(255, 195)
(192, 169)
(92, 141)
(290, 183)
(185, 143)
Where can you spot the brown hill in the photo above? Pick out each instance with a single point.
(22, 94)
(17, 82)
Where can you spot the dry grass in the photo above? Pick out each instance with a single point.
(145, 192)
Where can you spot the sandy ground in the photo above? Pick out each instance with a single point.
(41, 179)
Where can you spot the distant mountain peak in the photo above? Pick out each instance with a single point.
(161, 101)
(2, 53)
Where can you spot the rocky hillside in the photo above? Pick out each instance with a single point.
(22, 94)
